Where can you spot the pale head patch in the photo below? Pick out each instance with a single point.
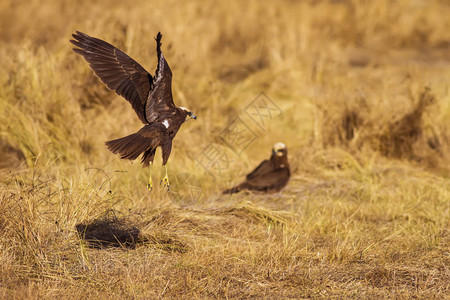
(278, 146)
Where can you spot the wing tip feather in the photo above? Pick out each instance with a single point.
(158, 37)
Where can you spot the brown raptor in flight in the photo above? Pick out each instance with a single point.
(150, 97)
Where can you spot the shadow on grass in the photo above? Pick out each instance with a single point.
(110, 231)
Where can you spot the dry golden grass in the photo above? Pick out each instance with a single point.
(363, 87)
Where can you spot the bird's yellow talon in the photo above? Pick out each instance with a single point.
(165, 180)
(150, 183)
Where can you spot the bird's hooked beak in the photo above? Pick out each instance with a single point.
(189, 114)
(277, 153)
(192, 116)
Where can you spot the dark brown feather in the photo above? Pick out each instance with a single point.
(117, 70)
(160, 104)
(264, 167)
(131, 146)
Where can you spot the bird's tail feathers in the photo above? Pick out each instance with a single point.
(233, 190)
(129, 147)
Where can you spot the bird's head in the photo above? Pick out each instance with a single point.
(189, 114)
(279, 149)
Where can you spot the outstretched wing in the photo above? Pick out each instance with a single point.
(160, 103)
(263, 168)
(117, 70)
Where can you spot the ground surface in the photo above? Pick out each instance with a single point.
(357, 90)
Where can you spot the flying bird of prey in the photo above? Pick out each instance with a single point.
(270, 176)
(149, 96)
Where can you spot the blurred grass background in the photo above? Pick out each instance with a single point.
(363, 89)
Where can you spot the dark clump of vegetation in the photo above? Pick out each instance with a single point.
(405, 137)
(109, 231)
(401, 135)
(12, 157)
(351, 120)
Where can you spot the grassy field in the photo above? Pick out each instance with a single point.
(360, 95)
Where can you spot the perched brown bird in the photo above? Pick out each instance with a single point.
(150, 97)
(270, 176)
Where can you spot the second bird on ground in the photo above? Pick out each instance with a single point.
(150, 97)
(270, 176)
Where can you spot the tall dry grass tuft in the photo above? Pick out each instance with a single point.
(407, 136)
(402, 134)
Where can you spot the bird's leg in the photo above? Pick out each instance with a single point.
(150, 183)
(165, 180)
